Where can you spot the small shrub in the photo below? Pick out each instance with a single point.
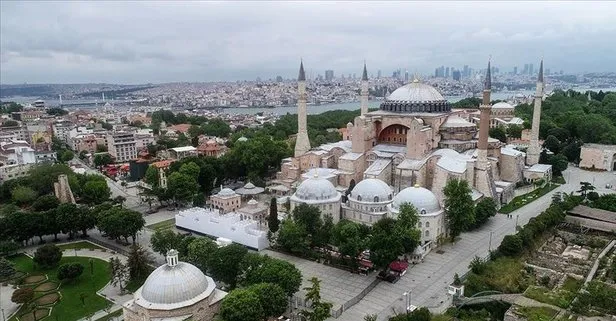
(545, 280)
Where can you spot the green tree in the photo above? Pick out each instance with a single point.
(498, 133)
(67, 217)
(293, 237)
(119, 272)
(45, 203)
(272, 220)
(459, 207)
(6, 269)
(272, 297)
(69, 271)
(139, 261)
(308, 217)
(152, 176)
(385, 245)
(164, 240)
(256, 269)
(241, 305)
(320, 310)
(585, 187)
(22, 295)
(224, 264)
(23, 195)
(102, 160)
(66, 156)
(199, 251)
(406, 227)
(182, 187)
(190, 169)
(421, 314)
(552, 143)
(47, 256)
(86, 219)
(347, 236)
(511, 246)
(485, 209)
(96, 192)
(514, 131)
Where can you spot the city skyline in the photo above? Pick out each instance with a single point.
(80, 42)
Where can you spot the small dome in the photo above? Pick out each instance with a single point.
(316, 188)
(416, 92)
(171, 285)
(502, 105)
(421, 198)
(252, 202)
(371, 190)
(226, 192)
(249, 185)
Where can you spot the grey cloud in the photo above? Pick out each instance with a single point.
(173, 41)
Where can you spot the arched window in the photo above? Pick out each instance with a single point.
(427, 224)
(419, 224)
(376, 199)
(359, 198)
(427, 233)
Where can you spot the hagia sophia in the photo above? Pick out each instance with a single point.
(406, 151)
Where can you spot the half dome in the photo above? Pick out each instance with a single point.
(371, 190)
(502, 105)
(421, 198)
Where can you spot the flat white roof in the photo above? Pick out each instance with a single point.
(184, 149)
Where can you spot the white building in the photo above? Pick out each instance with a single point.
(321, 193)
(233, 226)
(16, 159)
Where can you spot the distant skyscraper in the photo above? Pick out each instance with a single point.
(378, 74)
(465, 72)
(447, 72)
(525, 71)
(329, 75)
(547, 71)
(530, 69)
(406, 76)
(353, 76)
(515, 70)
(456, 75)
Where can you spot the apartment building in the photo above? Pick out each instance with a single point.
(122, 146)
(16, 159)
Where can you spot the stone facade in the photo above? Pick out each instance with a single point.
(599, 157)
(203, 310)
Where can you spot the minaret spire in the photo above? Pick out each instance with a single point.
(484, 122)
(364, 91)
(532, 155)
(302, 143)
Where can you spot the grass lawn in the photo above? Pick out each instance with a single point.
(560, 297)
(525, 199)
(537, 313)
(163, 225)
(112, 315)
(80, 245)
(558, 179)
(70, 307)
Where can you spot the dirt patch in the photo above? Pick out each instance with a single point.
(39, 314)
(34, 279)
(48, 298)
(44, 287)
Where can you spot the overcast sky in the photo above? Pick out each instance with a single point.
(163, 41)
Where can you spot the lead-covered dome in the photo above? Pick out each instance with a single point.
(316, 189)
(174, 285)
(502, 105)
(416, 97)
(226, 192)
(423, 199)
(371, 190)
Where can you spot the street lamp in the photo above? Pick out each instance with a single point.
(407, 297)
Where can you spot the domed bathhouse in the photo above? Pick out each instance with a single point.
(367, 202)
(318, 192)
(414, 138)
(175, 291)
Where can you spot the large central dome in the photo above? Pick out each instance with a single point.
(416, 97)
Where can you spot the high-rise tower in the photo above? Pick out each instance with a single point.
(302, 143)
(532, 155)
(364, 91)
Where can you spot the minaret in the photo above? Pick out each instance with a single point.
(364, 91)
(532, 155)
(484, 123)
(302, 143)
